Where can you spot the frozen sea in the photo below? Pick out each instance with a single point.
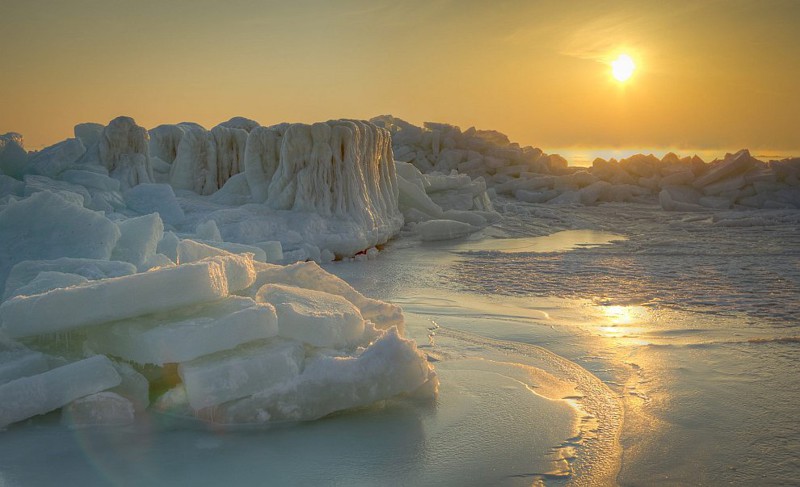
(617, 344)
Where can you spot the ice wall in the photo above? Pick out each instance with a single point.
(342, 168)
(123, 149)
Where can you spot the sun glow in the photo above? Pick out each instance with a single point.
(623, 67)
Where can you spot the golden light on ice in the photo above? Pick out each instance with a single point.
(623, 67)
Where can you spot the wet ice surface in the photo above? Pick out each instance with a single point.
(745, 263)
(691, 321)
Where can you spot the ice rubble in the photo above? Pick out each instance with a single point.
(296, 192)
(229, 350)
(108, 300)
(738, 181)
(157, 249)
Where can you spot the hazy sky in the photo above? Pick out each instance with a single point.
(711, 74)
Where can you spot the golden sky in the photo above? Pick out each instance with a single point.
(710, 73)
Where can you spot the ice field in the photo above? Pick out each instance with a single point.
(374, 303)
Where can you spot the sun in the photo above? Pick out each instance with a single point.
(623, 67)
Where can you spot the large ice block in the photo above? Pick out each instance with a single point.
(47, 281)
(21, 363)
(232, 375)
(30, 396)
(133, 387)
(239, 268)
(113, 299)
(259, 254)
(314, 317)
(390, 366)
(46, 226)
(139, 240)
(160, 198)
(27, 271)
(443, 230)
(310, 275)
(186, 334)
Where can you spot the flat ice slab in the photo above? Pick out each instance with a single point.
(30, 396)
(21, 363)
(113, 299)
(314, 317)
(213, 380)
(187, 334)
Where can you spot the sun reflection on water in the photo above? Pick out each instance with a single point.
(623, 322)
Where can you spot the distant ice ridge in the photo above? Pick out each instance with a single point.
(738, 181)
(218, 336)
